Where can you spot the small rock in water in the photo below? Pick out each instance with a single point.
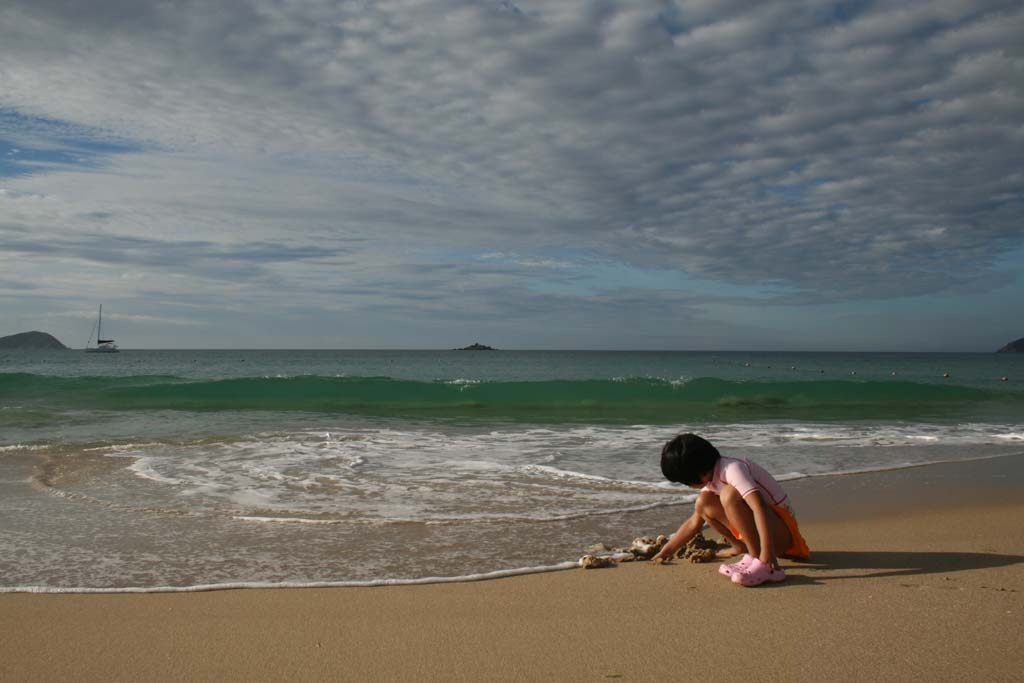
(596, 562)
(597, 549)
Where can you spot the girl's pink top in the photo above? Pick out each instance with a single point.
(745, 477)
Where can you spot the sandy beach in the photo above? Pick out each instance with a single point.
(920, 579)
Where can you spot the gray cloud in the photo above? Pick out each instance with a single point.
(115, 249)
(854, 151)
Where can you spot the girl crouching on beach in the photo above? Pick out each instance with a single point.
(741, 501)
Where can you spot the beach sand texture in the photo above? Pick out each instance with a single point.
(933, 591)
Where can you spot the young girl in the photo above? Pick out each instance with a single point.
(742, 502)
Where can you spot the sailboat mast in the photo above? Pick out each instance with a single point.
(102, 345)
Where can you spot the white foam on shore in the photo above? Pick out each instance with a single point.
(535, 475)
(121, 448)
(1014, 436)
(475, 518)
(14, 448)
(143, 468)
(586, 514)
(287, 520)
(486, 576)
(556, 472)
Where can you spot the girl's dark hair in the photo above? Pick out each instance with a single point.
(687, 458)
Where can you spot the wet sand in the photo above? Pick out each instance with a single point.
(916, 575)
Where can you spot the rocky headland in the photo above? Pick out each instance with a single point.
(1013, 347)
(34, 341)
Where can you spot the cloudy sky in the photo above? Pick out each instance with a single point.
(642, 174)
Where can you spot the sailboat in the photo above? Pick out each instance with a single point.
(102, 345)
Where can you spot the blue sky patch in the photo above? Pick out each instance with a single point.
(30, 145)
(794, 192)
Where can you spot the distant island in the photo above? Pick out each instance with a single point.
(33, 341)
(1013, 347)
(475, 347)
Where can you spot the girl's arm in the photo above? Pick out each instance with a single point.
(686, 531)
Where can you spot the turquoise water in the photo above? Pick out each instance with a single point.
(970, 369)
(150, 469)
(625, 387)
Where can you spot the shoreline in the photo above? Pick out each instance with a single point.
(865, 495)
(819, 497)
(926, 581)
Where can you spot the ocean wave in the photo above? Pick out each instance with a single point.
(651, 400)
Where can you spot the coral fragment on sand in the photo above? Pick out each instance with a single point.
(701, 555)
(699, 549)
(646, 547)
(596, 562)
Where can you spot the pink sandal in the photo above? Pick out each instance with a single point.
(733, 568)
(757, 572)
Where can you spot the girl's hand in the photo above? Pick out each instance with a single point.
(663, 557)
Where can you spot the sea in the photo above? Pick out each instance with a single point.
(179, 470)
